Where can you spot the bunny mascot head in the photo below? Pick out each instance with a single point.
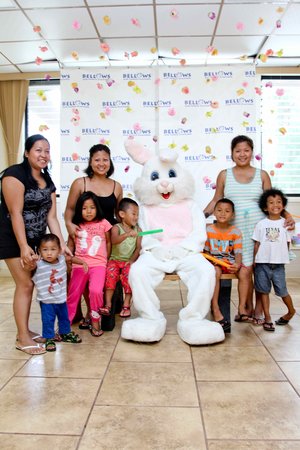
(165, 193)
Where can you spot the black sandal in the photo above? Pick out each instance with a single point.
(225, 325)
(84, 324)
(71, 337)
(50, 345)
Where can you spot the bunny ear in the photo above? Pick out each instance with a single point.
(137, 151)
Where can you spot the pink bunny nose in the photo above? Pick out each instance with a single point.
(164, 183)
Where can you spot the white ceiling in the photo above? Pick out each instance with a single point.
(143, 32)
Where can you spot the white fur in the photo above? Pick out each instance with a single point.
(164, 188)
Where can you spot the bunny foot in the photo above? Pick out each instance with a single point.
(144, 330)
(200, 331)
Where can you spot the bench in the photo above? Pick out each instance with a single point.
(174, 277)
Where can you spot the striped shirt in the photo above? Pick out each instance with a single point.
(51, 281)
(245, 197)
(223, 244)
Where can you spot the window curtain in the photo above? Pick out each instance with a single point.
(13, 96)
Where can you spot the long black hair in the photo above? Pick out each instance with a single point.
(99, 148)
(29, 143)
(88, 195)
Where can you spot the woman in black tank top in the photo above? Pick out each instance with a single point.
(109, 192)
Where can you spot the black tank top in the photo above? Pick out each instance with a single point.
(108, 204)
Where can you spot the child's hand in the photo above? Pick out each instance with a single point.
(234, 268)
(132, 233)
(85, 267)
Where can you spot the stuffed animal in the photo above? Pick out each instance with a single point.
(165, 193)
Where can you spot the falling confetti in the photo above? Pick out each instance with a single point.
(185, 148)
(270, 141)
(260, 21)
(270, 52)
(175, 51)
(137, 127)
(134, 54)
(44, 49)
(76, 25)
(183, 120)
(282, 130)
(155, 139)
(128, 109)
(206, 179)
(75, 87)
(153, 50)
(99, 86)
(110, 82)
(279, 53)
(278, 23)
(209, 114)
(245, 84)
(214, 105)
(245, 124)
(272, 173)
(211, 15)
(279, 10)
(157, 81)
(214, 52)
(279, 165)
(75, 156)
(77, 138)
(171, 112)
(208, 151)
(182, 62)
(105, 47)
(258, 157)
(172, 145)
(239, 26)
(126, 169)
(75, 55)
(174, 13)
(135, 22)
(137, 90)
(269, 84)
(131, 83)
(108, 111)
(246, 114)
(47, 77)
(102, 115)
(76, 168)
(263, 58)
(257, 90)
(240, 92)
(185, 90)
(43, 128)
(280, 92)
(38, 61)
(106, 20)
(37, 29)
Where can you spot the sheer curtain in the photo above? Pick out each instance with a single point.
(13, 96)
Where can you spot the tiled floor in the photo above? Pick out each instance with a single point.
(107, 393)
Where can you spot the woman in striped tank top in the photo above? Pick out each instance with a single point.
(243, 184)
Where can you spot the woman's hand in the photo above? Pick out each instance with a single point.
(65, 250)
(289, 223)
(28, 258)
(72, 229)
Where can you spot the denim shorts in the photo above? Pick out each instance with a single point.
(266, 275)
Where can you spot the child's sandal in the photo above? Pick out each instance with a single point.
(84, 324)
(71, 338)
(95, 332)
(125, 312)
(105, 311)
(50, 345)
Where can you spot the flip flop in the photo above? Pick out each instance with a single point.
(281, 321)
(258, 321)
(268, 326)
(28, 349)
(243, 318)
(225, 325)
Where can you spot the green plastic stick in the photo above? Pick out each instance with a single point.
(143, 233)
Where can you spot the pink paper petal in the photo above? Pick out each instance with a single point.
(279, 165)
(44, 49)
(76, 25)
(174, 13)
(175, 51)
(135, 22)
(105, 47)
(137, 126)
(38, 61)
(211, 15)
(185, 90)
(240, 26)
(171, 112)
(280, 92)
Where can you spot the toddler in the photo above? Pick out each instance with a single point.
(126, 245)
(50, 279)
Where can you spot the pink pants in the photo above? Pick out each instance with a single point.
(78, 281)
(117, 270)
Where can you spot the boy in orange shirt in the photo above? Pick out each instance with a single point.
(224, 242)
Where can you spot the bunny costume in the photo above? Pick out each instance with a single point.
(165, 193)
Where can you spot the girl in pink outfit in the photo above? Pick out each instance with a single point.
(93, 245)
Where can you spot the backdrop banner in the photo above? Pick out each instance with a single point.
(194, 110)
